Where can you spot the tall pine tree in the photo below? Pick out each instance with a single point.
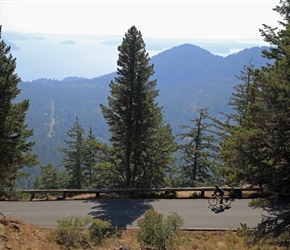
(266, 128)
(263, 139)
(74, 155)
(91, 159)
(135, 119)
(14, 134)
(235, 130)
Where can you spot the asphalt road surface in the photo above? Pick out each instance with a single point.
(196, 213)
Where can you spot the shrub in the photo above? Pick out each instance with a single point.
(70, 231)
(100, 230)
(243, 230)
(157, 231)
(19, 195)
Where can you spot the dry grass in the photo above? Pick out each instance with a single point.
(192, 240)
(16, 235)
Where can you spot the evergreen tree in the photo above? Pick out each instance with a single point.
(73, 155)
(273, 120)
(264, 137)
(91, 159)
(135, 119)
(14, 133)
(242, 96)
(200, 151)
(233, 132)
(49, 178)
(106, 172)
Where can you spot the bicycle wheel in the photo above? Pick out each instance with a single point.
(212, 201)
(227, 201)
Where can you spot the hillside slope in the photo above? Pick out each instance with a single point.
(188, 78)
(15, 234)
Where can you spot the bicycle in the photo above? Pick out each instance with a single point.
(215, 199)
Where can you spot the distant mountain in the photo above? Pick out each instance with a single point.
(185, 63)
(188, 77)
(57, 56)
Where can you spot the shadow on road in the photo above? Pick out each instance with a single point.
(219, 208)
(121, 213)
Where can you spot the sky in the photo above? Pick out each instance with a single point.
(200, 22)
(189, 19)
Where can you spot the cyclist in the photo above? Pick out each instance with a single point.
(220, 193)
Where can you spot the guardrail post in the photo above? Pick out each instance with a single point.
(64, 195)
(236, 193)
(239, 193)
(202, 193)
(97, 194)
(32, 196)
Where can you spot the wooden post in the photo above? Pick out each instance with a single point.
(32, 196)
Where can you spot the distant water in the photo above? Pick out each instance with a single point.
(51, 59)
(57, 57)
(60, 56)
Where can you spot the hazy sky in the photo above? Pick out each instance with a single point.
(203, 19)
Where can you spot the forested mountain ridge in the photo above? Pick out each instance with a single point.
(188, 78)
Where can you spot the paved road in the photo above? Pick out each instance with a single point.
(197, 214)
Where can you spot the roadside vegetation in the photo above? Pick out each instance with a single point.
(156, 232)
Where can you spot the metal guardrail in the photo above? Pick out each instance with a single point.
(237, 190)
